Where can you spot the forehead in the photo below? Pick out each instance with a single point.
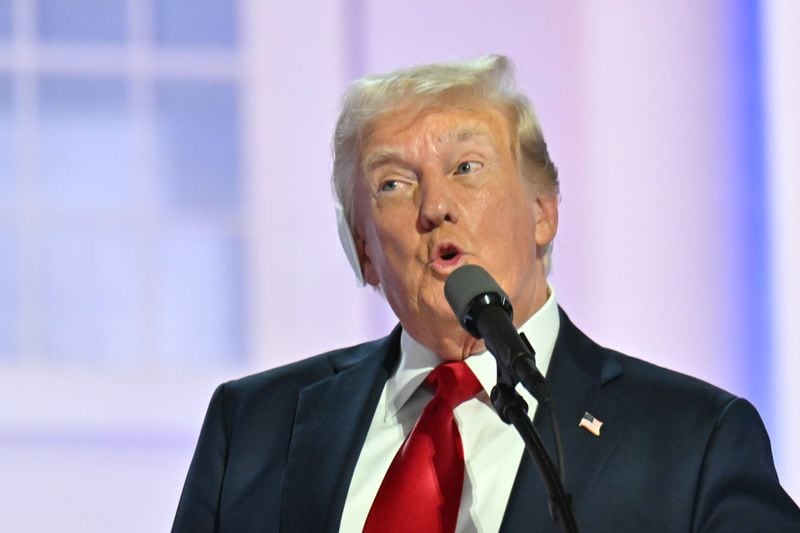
(413, 127)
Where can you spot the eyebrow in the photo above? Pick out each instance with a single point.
(385, 156)
(390, 156)
(465, 133)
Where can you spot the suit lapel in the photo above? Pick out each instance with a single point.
(578, 372)
(331, 423)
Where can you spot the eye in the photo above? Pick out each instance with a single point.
(390, 185)
(392, 181)
(468, 167)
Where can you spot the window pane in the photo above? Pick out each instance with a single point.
(6, 19)
(195, 22)
(92, 305)
(7, 163)
(85, 156)
(201, 309)
(197, 143)
(82, 21)
(9, 296)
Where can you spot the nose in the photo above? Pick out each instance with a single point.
(437, 204)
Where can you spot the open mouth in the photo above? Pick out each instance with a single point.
(448, 253)
(446, 256)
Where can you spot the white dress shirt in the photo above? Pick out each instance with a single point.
(492, 449)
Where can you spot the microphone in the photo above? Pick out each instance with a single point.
(484, 310)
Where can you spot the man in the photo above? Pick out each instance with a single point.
(437, 167)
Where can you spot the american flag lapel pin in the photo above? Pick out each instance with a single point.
(590, 424)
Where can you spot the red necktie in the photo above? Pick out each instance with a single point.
(422, 488)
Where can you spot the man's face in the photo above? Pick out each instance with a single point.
(441, 189)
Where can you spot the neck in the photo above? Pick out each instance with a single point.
(453, 343)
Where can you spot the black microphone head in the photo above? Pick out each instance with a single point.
(469, 289)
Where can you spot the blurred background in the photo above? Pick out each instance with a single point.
(166, 223)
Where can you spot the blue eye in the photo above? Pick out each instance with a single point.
(390, 185)
(467, 167)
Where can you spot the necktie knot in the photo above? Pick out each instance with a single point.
(453, 382)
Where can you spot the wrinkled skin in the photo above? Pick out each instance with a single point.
(442, 188)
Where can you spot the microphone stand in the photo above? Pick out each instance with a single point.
(513, 410)
(483, 309)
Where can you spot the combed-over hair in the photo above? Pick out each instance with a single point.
(487, 79)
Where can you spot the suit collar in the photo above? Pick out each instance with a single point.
(331, 423)
(387, 350)
(587, 357)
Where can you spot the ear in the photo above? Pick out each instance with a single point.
(367, 268)
(546, 218)
(348, 243)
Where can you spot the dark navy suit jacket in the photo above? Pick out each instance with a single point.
(277, 449)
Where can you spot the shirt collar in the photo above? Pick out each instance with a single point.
(416, 360)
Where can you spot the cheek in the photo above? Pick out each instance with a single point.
(485, 208)
(504, 210)
(395, 225)
(512, 223)
(392, 247)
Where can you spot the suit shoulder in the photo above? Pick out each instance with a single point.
(661, 392)
(632, 377)
(652, 376)
(292, 377)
